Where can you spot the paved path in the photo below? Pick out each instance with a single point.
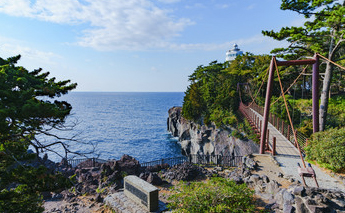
(288, 156)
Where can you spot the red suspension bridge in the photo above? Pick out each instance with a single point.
(281, 139)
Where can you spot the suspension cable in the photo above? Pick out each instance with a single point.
(331, 61)
(262, 83)
(288, 113)
(293, 83)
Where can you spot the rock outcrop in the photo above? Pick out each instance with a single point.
(209, 140)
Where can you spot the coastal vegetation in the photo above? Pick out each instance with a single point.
(27, 110)
(328, 149)
(214, 195)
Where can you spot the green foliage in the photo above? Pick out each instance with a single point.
(20, 199)
(222, 117)
(235, 133)
(336, 110)
(214, 195)
(328, 149)
(27, 110)
(322, 32)
(324, 20)
(212, 95)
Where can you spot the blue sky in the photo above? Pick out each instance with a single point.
(135, 45)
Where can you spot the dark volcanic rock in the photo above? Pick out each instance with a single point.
(185, 172)
(129, 165)
(154, 179)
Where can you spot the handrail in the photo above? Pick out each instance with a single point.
(283, 127)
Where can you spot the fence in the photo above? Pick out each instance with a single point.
(220, 160)
(86, 162)
(166, 161)
(228, 161)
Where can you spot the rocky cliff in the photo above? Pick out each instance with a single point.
(197, 139)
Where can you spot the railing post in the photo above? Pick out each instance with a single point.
(274, 119)
(277, 123)
(288, 133)
(260, 126)
(274, 146)
(296, 138)
(283, 127)
(268, 139)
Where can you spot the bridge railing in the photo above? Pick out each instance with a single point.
(282, 127)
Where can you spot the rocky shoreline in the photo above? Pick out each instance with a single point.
(277, 193)
(93, 184)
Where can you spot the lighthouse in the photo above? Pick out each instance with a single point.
(233, 53)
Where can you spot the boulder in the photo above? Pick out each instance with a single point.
(129, 165)
(154, 179)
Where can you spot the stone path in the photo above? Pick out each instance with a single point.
(288, 156)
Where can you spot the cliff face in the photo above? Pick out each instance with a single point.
(196, 139)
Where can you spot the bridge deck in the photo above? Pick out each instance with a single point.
(288, 156)
(283, 146)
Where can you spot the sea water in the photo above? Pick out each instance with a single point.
(121, 123)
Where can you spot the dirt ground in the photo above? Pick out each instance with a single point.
(267, 166)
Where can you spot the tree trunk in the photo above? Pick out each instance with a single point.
(324, 95)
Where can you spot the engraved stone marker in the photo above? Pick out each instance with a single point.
(141, 192)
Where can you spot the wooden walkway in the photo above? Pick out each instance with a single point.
(283, 146)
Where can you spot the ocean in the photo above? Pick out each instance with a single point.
(118, 123)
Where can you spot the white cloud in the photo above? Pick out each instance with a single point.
(169, 1)
(251, 6)
(120, 24)
(195, 6)
(222, 6)
(257, 44)
(31, 58)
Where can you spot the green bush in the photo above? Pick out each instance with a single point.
(328, 149)
(20, 199)
(214, 195)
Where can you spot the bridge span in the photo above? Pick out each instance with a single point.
(286, 153)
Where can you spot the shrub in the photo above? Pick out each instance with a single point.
(214, 195)
(328, 149)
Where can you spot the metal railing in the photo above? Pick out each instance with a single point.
(166, 161)
(219, 160)
(86, 162)
(214, 160)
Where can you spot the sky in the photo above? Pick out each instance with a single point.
(135, 45)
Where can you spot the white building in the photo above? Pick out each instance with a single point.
(233, 53)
